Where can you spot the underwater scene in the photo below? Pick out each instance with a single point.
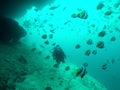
(59, 44)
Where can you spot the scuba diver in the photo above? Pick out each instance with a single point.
(58, 54)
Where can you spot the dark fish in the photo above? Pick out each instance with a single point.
(56, 65)
(94, 52)
(36, 9)
(74, 15)
(85, 64)
(82, 14)
(84, 73)
(52, 31)
(102, 34)
(89, 42)
(54, 7)
(41, 46)
(47, 57)
(100, 44)
(87, 53)
(44, 36)
(46, 42)
(79, 72)
(67, 22)
(53, 44)
(104, 66)
(108, 13)
(77, 46)
(113, 38)
(100, 6)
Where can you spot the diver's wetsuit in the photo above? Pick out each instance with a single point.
(58, 54)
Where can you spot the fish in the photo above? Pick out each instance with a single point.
(54, 7)
(88, 52)
(52, 31)
(84, 73)
(104, 66)
(47, 57)
(67, 22)
(81, 72)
